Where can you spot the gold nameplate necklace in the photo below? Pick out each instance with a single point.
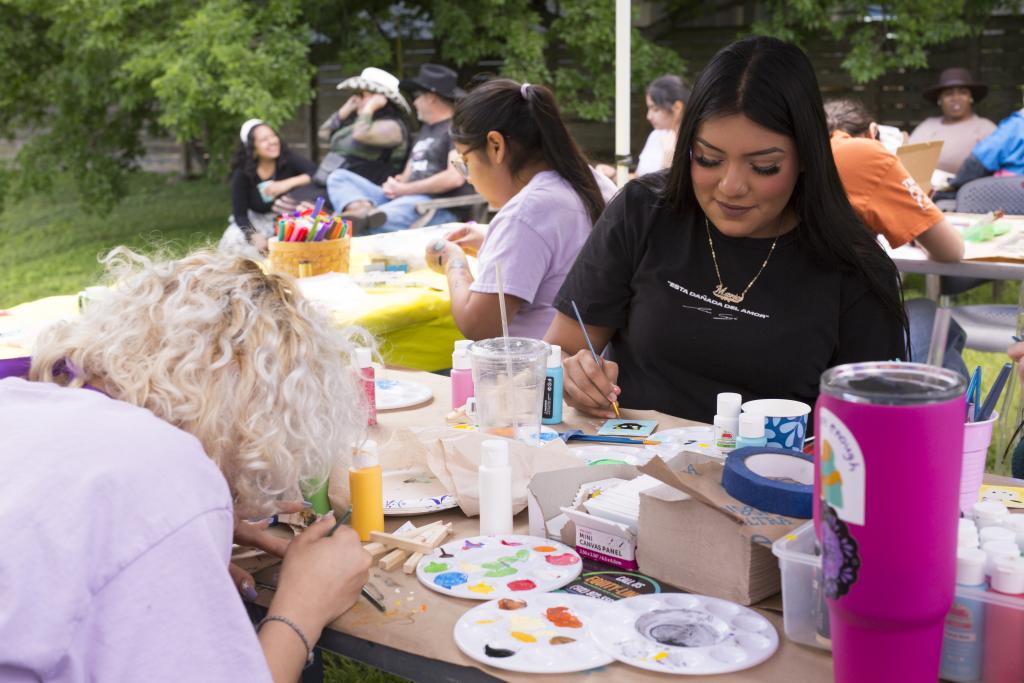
(721, 292)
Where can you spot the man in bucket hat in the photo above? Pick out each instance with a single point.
(959, 127)
(428, 174)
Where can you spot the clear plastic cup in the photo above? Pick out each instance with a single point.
(508, 384)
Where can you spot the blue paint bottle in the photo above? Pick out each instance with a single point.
(963, 638)
(551, 412)
(751, 431)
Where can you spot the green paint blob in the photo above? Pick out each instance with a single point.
(435, 567)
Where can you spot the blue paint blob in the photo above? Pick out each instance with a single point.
(450, 580)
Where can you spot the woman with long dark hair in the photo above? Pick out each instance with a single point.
(263, 172)
(517, 152)
(742, 268)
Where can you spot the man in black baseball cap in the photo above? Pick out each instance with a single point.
(428, 173)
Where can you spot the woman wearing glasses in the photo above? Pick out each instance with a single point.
(515, 149)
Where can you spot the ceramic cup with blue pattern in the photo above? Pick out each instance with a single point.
(785, 421)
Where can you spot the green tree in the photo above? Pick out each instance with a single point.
(883, 36)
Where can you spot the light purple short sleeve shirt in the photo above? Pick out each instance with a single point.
(535, 237)
(117, 535)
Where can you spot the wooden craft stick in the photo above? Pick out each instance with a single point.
(413, 533)
(392, 541)
(392, 560)
(434, 537)
(410, 565)
(375, 549)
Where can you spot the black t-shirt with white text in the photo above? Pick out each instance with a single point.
(648, 274)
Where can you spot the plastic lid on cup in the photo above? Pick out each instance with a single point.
(751, 426)
(728, 404)
(970, 566)
(555, 357)
(364, 357)
(366, 455)
(494, 453)
(1008, 575)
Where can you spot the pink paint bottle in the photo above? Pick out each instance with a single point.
(886, 432)
(462, 374)
(1004, 624)
(364, 359)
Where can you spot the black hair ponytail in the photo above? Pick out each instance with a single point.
(528, 117)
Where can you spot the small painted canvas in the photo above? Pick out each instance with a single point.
(628, 428)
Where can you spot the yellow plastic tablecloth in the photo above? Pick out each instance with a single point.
(413, 325)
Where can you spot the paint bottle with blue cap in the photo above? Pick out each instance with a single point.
(727, 423)
(751, 431)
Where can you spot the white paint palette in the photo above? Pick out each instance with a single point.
(679, 633)
(505, 566)
(392, 394)
(415, 491)
(547, 633)
(694, 439)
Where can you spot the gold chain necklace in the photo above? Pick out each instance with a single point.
(721, 292)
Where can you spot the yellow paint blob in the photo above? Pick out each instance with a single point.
(481, 587)
(660, 656)
(525, 637)
(486, 621)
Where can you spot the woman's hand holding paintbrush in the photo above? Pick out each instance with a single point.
(589, 380)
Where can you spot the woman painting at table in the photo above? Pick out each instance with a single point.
(743, 268)
(198, 388)
(515, 149)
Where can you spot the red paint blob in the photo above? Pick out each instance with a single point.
(521, 585)
(509, 543)
(562, 560)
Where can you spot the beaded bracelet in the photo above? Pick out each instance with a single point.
(295, 627)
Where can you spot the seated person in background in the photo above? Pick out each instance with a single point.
(263, 172)
(391, 206)
(369, 134)
(959, 127)
(666, 100)
(1001, 153)
(198, 392)
(884, 195)
(698, 279)
(514, 147)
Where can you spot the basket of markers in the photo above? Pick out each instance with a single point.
(310, 242)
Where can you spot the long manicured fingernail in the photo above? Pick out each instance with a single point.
(248, 591)
(438, 245)
(306, 504)
(612, 397)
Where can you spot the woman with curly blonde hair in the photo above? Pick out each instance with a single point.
(191, 361)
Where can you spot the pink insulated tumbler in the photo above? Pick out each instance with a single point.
(888, 453)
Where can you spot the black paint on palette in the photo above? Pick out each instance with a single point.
(497, 651)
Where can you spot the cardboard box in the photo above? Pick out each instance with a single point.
(550, 497)
(697, 537)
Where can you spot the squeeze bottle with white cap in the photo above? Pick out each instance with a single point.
(495, 488)
(367, 490)
(963, 635)
(462, 374)
(364, 359)
(1004, 625)
(551, 408)
(751, 431)
(727, 421)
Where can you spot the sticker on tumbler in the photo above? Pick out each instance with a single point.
(840, 559)
(842, 468)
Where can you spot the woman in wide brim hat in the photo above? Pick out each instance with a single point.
(958, 127)
(369, 134)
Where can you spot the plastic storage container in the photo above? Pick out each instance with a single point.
(802, 603)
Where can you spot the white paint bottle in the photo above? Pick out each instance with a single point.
(727, 421)
(495, 488)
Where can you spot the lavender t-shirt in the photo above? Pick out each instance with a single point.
(535, 237)
(116, 533)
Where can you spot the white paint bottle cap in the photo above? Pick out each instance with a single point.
(1015, 523)
(970, 566)
(366, 456)
(997, 533)
(494, 453)
(751, 426)
(989, 512)
(967, 523)
(364, 357)
(729, 404)
(555, 357)
(997, 549)
(1008, 575)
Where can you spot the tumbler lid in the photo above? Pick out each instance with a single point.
(892, 383)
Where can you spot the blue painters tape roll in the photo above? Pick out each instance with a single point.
(769, 480)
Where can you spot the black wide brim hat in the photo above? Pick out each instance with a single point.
(437, 79)
(956, 78)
